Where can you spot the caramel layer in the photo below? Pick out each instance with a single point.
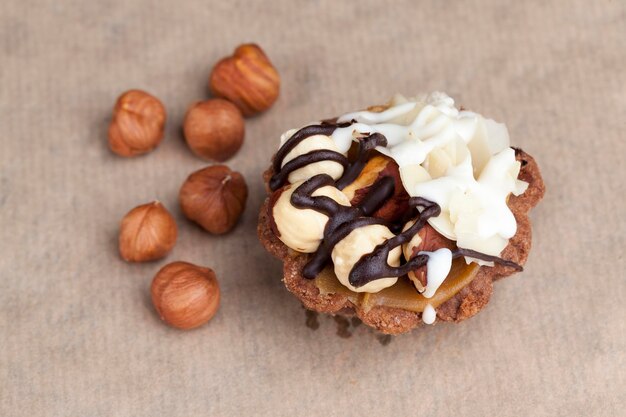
(402, 294)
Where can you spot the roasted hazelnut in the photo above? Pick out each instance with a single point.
(185, 295)
(137, 124)
(376, 168)
(214, 129)
(247, 78)
(147, 232)
(214, 197)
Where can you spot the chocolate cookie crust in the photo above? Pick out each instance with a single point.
(466, 303)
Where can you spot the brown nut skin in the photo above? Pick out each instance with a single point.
(137, 125)
(147, 232)
(214, 129)
(185, 295)
(247, 78)
(378, 167)
(214, 197)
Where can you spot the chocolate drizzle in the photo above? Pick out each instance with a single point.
(351, 170)
(281, 176)
(366, 145)
(487, 258)
(374, 265)
(344, 219)
(325, 128)
(341, 219)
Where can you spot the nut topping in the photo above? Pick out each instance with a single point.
(137, 124)
(214, 197)
(247, 78)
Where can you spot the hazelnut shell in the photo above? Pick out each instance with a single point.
(137, 124)
(214, 197)
(214, 129)
(185, 295)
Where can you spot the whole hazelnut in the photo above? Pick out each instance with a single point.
(137, 124)
(185, 295)
(148, 232)
(214, 197)
(214, 129)
(247, 78)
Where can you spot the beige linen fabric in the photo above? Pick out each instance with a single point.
(78, 335)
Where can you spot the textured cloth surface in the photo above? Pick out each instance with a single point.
(78, 334)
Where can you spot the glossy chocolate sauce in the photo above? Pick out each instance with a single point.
(325, 128)
(374, 265)
(366, 145)
(351, 170)
(279, 178)
(345, 219)
(341, 219)
(487, 258)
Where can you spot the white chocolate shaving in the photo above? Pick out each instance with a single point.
(458, 159)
